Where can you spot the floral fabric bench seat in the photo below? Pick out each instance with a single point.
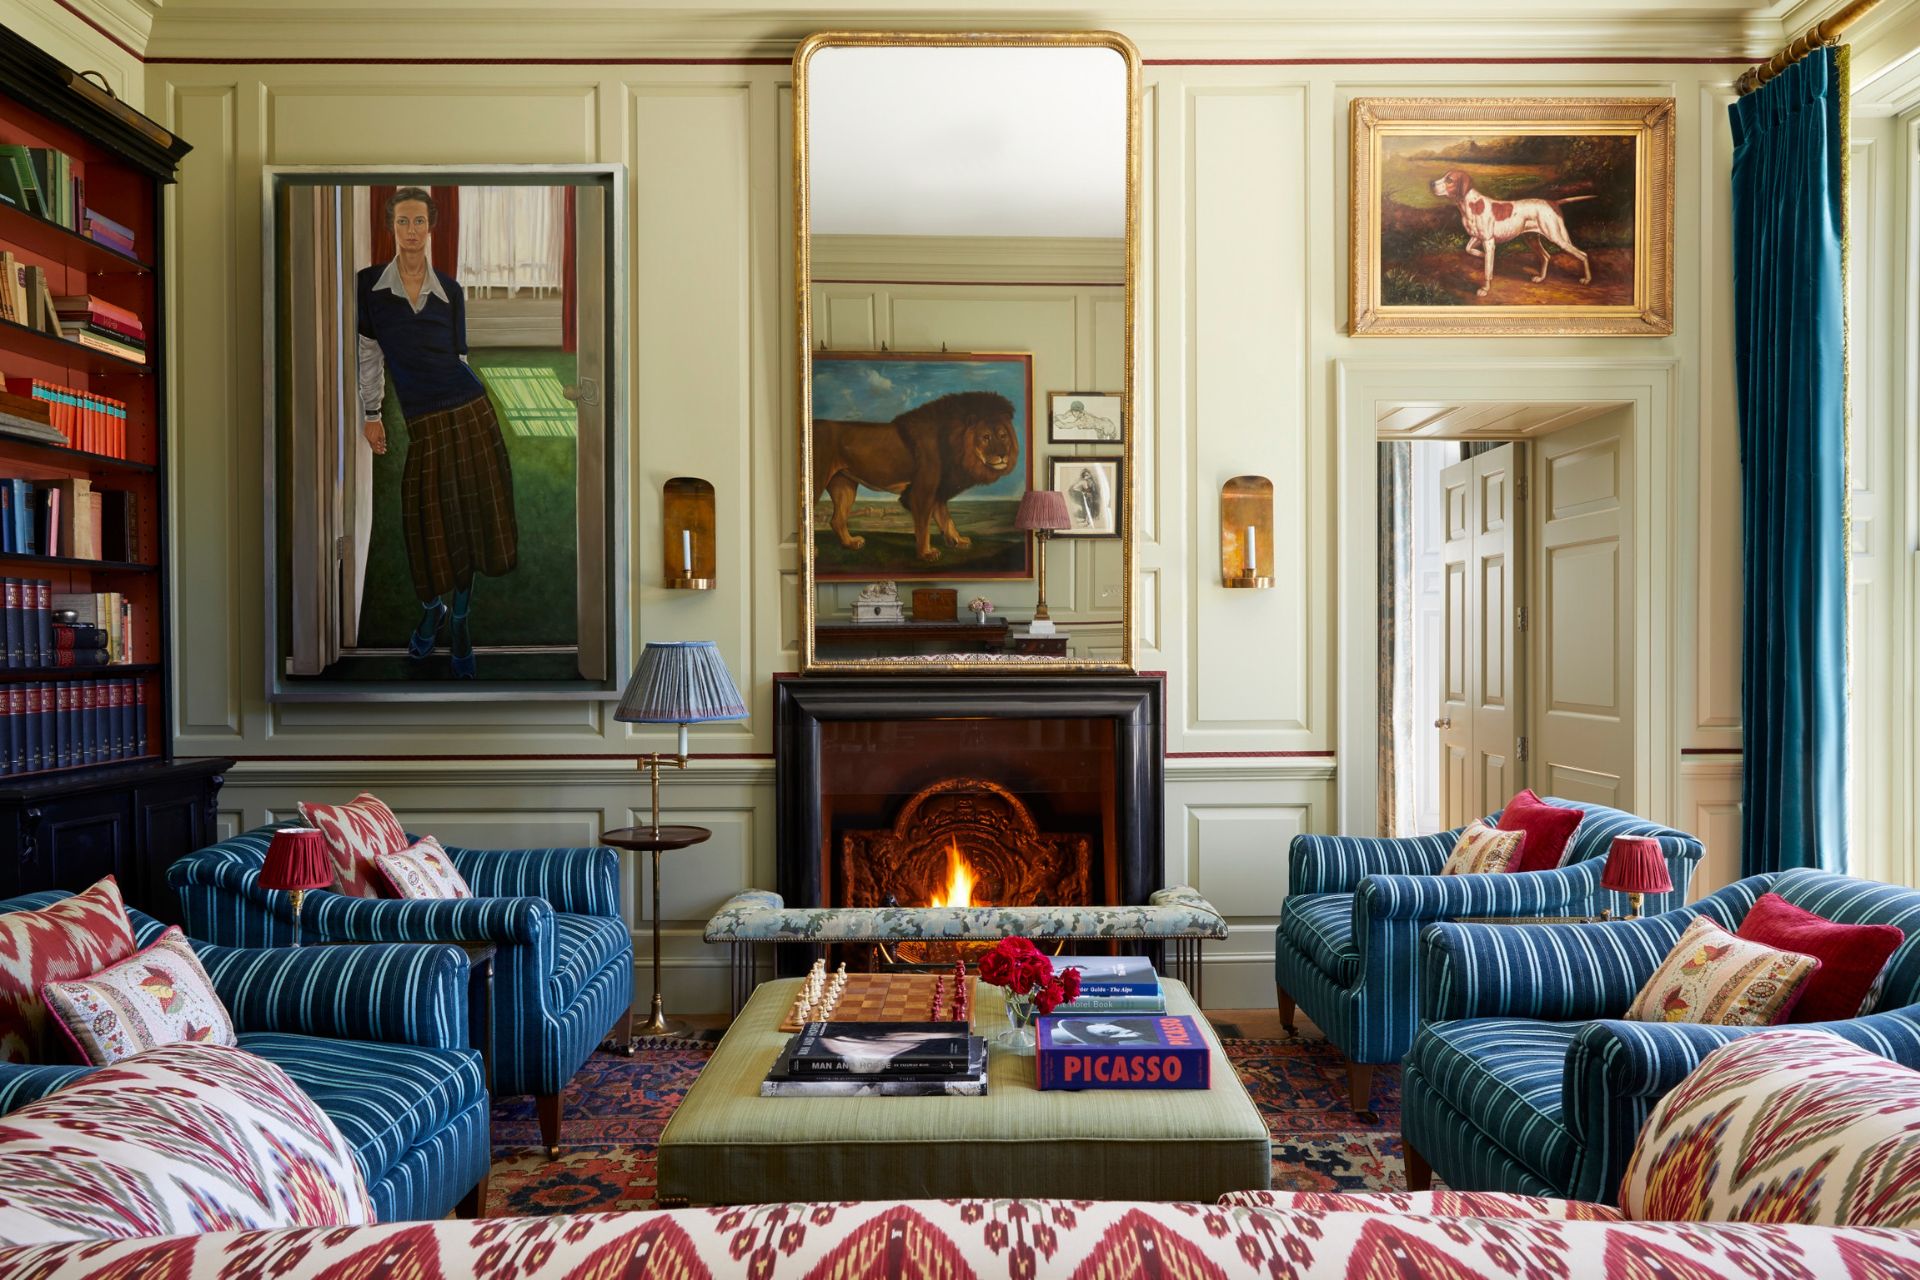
(1178, 916)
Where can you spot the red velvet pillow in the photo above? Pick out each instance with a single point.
(1548, 829)
(1851, 955)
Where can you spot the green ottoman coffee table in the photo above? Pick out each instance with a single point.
(728, 1145)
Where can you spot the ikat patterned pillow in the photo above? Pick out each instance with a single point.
(1484, 850)
(1783, 1126)
(71, 938)
(1717, 978)
(154, 997)
(185, 1140)
(357, 833)
(422, 870)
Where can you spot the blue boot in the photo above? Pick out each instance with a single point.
(461, 641)
(420, 643)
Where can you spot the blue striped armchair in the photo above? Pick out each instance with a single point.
(1347, 947)
(563, 967)
(389, 1063)
(1525, 1077)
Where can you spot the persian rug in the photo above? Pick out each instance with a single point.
(617, 1106)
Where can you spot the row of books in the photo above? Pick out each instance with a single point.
(69, 517)
(33, 638)
(25, 297)
(82, 419)
(42, 181)
(69, 724)
(100, 325)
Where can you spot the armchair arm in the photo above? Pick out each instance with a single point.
(21, 1084)
(1553, 972)
(510, 921)
(578, 881)
(1336, 864)
(1521, 893)
(390, 993)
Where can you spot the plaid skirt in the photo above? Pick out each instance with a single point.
(456, 499)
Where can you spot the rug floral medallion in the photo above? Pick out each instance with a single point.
(617, 1106)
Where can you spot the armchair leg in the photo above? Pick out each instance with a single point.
(1286, 1007)
(548, 1107)
(474, 1203)
(1419, 1172)
(1360, 1086)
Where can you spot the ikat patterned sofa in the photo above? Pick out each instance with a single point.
(376, 1036)
(563, 969)
(1526, 1078)
(1347, 947)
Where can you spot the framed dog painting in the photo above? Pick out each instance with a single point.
(1516, 217)
(919, 463)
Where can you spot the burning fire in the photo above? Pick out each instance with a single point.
(959, 880)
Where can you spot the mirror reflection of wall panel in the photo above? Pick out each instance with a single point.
(964, 208)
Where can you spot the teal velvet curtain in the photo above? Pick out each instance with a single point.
(1789, 243)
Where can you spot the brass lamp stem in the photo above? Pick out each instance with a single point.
(654, 760)
(1633, 906)
(298, 895)
(1040, 613)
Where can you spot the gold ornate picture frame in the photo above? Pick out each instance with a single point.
(1512, 217)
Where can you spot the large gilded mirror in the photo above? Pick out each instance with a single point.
(966, 213)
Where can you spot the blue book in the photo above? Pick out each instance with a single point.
(1123, 1052)
(23, 538)
(1112, 975)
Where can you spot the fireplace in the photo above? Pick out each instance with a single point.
(968, 790)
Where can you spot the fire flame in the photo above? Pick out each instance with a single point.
(959, 880)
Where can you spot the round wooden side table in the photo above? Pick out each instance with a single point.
(655, 840)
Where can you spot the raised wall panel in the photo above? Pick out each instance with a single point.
(696, 881)
(1239, 854)
(1582, 599)
(1251, 657)
(391, 120)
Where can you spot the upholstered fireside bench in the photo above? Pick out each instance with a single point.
(1178, 916)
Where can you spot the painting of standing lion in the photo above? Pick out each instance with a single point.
(919, 463)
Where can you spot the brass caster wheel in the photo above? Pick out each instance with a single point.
(553, 1153)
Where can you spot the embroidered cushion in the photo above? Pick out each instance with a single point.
(186, 1139)
(1548, 828)
(69, 939)
(356, 833)
(1852, 956)
(422, 870)
(159, 995)
(1482, 850)
(1793, 1125)
(1711, 976)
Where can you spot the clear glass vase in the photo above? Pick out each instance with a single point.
(1021, 1037)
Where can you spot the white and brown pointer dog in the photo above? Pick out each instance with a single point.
(1491, 223)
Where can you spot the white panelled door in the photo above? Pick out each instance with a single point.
(1582, 647)
(1480, 717)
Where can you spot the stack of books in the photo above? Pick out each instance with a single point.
(1112, 984)
(110, 612)
(86, 420)
(100, 325)
(28, 418)
(41, 181)
(97, 226)
(1123, 1052)
(69, 724)
(880, 1059)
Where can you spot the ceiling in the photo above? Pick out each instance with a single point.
(1484, 419)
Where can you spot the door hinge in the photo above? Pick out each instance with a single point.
(1520, 751)
(1519, 488)
(1520, 618)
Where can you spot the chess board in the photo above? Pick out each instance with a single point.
(884, 997)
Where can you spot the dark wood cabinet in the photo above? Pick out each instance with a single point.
(130, 822)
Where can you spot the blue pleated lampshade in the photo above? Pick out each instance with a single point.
(681, 682)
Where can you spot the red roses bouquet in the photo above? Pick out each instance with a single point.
(1028, 976)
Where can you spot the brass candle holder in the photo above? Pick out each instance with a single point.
(1246, 533)
(687, 547)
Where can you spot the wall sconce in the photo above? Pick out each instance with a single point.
(686, 505)
(1246, 532)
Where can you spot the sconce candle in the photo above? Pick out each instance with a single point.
(687, 509)
(686, 552)
(1246, 515)
(1253, 556)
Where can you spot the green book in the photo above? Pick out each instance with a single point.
(17, 161)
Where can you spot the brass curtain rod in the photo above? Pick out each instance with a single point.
(1818, 36)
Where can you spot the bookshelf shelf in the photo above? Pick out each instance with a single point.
(48, 241)
(65, 827)
(18, 338)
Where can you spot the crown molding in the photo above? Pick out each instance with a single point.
(128, 23)
(513, 30)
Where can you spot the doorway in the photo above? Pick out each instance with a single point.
(1506, 603)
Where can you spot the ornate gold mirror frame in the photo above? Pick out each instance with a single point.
(810, 661)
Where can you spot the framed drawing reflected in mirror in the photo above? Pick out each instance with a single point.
(932, 172)
(1092, 485)
(442, 402)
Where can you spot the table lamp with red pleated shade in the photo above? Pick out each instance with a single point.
(1041, 512)
(1636, 866)
(296, 862)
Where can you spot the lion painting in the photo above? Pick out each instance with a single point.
(926, 455)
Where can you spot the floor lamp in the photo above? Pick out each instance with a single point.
(678, 682)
